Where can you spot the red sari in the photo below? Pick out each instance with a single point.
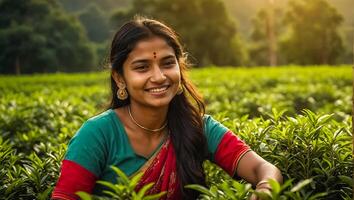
(161, 169)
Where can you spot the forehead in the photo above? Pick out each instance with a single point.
(149, 46)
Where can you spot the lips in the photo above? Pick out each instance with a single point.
(158, 89)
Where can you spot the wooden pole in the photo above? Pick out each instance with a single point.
(272, 45)
(17, 66)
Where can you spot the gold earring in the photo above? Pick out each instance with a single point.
(180, 90)
(122, 93)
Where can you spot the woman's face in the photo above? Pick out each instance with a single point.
(151, 73)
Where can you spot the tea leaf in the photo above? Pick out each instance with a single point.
(155, 196)
(84, 195)
(143, 190)
(200, 188)
(300, 185)
(346, 179)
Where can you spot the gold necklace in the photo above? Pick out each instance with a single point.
(147, 129)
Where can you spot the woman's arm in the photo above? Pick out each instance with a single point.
(84, 160)
(73, 178)
(255, 170)
(235, 156)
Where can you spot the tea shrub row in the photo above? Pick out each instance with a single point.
(297, 118)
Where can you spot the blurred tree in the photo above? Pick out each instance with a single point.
(106, 5)
(348, 39)
(272, 47)
(95, 22)
(16, 42)
(120, 16)
(259, 45)
(37, 36)
(205, 27)
(313, 37)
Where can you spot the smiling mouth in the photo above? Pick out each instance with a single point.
(158, 89)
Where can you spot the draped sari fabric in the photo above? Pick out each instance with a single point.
(161, 169)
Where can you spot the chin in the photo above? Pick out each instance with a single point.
(160, 103)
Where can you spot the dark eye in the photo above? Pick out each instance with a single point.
(169, 63)
(141, 67)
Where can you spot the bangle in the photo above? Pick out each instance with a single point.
(261, 183)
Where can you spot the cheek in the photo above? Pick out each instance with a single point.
(175, 74)
(135, 82)
(176, 79)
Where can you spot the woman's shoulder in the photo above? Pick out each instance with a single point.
(104, 122)
(214, 132)
(91, 144)
(211, 124)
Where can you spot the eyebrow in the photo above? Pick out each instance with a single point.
(140, 61)
(168, 57)
(147, 60)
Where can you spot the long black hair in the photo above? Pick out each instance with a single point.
(186, 110)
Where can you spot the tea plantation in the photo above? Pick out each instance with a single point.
(298, 118)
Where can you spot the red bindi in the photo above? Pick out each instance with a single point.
(154, 54)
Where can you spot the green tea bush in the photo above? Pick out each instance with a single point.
(28, 176)
(255, 91)
(297, 118)
(222, 186)
(124, 189)
(308, 146)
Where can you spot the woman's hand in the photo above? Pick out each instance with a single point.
(264, 190)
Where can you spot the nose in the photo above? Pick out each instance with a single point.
(157, 75)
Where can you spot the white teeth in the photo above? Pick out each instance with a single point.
(156, 90)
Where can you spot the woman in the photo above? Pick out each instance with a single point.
(155, 124)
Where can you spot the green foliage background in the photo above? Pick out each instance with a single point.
(37, 36)
(40, 36)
